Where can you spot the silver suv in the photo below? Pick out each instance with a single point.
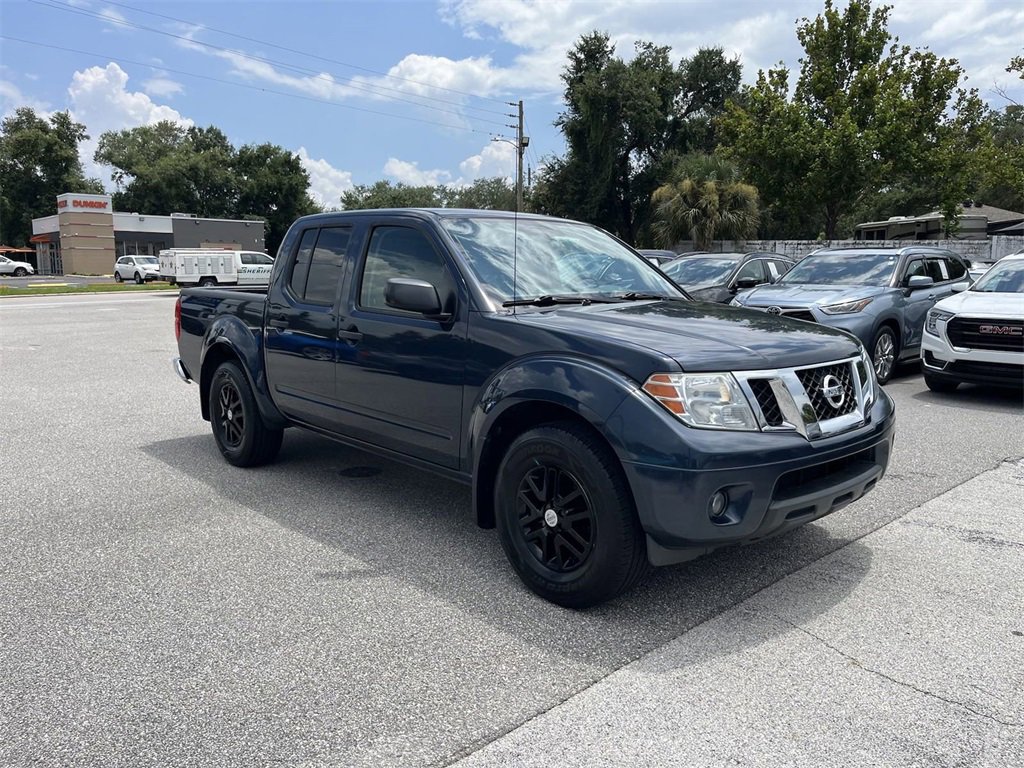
(880, 295)
(141, 269)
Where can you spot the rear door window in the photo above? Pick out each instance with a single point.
(954, 268)
(327, 265)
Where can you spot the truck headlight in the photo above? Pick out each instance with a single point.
(708, 400)
(936, 316)
(735, 303)
(846, 308)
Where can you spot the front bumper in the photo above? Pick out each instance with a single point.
(972, 366)
(774, 482)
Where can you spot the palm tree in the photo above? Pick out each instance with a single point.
(704, 200)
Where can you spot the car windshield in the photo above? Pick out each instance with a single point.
(146, 260)
(843, 269)
(552, 258)
(1003, 277)
(698, 272)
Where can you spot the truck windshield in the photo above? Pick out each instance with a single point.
(843, 269)
(552, 258)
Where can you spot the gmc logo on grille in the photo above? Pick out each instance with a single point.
(1001, 330)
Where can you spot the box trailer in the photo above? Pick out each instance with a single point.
(209, 266)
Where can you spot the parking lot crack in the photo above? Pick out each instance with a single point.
(902, 683)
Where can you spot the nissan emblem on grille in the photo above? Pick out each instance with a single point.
(774, 310)
(832, 389)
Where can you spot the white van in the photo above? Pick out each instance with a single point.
(208, 267)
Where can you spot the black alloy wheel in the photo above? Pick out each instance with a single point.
(238, 429)
(566, 517)
(555, 517)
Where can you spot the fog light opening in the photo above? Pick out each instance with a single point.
(718, 504)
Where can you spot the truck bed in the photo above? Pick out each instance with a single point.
(202, 306)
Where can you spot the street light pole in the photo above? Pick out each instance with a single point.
(521, 143)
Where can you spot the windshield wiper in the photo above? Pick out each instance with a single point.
(550, 301)
(641, 296)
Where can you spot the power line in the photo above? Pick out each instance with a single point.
(306, 53)
(348, 83)
(119, 60)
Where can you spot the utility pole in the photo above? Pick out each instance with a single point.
(521, 143)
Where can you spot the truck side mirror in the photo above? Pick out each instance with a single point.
(412, 296)
(960, 287)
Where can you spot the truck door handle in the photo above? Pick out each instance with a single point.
(350, 334)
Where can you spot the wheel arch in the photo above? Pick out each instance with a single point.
(587, 395)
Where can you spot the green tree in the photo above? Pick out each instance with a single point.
(38, 161)
(495, 194)
(385, 194)
(705, 199)
(272, 185)
(867, 114)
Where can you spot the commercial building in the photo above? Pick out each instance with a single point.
(85, 236)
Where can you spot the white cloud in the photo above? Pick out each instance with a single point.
(99, 98)
(497, 158)
(326, 183)
(11, 98)
(115, 18)
(410, 173)
(162, 86)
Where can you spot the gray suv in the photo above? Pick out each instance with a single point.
(880, 295)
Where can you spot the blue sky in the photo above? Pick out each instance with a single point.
(410, 91)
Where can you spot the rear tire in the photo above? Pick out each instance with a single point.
(566, 517)
(117, 277)
(940, 385)
(885, 354)
(242, 437)
(206, 282)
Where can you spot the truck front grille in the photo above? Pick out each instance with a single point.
(817, 401)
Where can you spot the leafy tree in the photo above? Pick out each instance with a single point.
(867, 114)
(705, 199)
(38, 161)
(385, 194)
(271, 184)
(494, 194)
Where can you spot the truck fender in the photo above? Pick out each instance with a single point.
(528, 392)
(229, 338)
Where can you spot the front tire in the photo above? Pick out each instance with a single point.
(139, 279)
(566, 517)
(884, 354)
(940, 385)
(242, 437)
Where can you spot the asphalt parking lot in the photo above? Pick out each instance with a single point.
(159, 607)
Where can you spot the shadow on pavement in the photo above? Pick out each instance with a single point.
(414, 527)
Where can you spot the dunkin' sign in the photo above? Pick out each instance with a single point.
(73, 202)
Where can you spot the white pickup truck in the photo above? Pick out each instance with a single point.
(211, 267)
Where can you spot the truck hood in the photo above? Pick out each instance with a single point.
(699, 336)
(983, 304)
(806, 296)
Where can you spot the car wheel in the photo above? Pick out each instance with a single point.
(242, 437)
(20, 272)
(940, 385)
(117, 277)
(206, 282)
(566, 517)
(139, 279)
(884, 354)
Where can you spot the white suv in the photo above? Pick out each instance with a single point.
(16, 268)
(141, 269)
(978, 335)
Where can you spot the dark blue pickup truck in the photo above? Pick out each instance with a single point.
(605, 420)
